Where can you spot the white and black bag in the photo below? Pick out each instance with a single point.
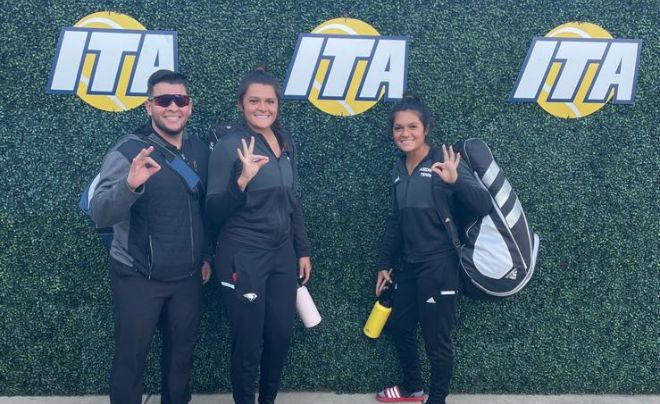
(497, 251)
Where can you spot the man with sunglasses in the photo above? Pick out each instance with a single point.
(157, 257)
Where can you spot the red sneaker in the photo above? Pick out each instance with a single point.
(394, 394)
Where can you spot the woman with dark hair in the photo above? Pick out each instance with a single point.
(427, 284)
(253, 195)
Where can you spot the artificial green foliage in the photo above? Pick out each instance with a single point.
(587, 322)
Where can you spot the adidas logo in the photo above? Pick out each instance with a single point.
(250, 296)
(512, 275)
(431, 300)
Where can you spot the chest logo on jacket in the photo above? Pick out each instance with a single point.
(576, 68)
(344, 67)
(106, 59)
(425, 172)
(251, 297)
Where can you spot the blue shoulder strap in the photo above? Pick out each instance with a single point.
(180, 167)
(175, 162)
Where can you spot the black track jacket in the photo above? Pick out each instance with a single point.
(269, 211)
(414, 230)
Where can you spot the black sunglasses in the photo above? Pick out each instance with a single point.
(165, 100)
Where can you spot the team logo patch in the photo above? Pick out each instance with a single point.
(106, 59)
(576, 68)
(250, 297)
(344, 67)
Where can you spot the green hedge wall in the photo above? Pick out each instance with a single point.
(588, 321)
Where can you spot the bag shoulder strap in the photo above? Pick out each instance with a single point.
(174, 161)
(221, 129)
(441, 205)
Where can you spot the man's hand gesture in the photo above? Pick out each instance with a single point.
(142, 168)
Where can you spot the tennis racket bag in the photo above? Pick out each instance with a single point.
(497, 251)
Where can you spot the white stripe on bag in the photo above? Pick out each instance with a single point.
(514, 215)
(490, 174)
(503, 193)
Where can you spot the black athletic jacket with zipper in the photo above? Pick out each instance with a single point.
(269, 211)
(415, 231)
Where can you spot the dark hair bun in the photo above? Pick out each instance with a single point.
(410, 97)
(411, 102)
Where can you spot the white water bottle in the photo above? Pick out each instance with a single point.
(307, 310)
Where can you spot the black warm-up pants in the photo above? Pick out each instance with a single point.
(140, 305)
(261, 306)
(426, 292)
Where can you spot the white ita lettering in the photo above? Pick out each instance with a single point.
(153, 50)
(618, 61)
(386, 58)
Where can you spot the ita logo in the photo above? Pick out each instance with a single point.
(344, 67)
(576, 68)
(106, 59)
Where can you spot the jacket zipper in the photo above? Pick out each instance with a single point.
(151, 257)
(192, 239)
(280, 218)
(283, 194)
(190, 222)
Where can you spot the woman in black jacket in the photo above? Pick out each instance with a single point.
(253, 194)
(426, 287)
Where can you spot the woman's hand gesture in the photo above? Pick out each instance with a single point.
(252, 163)
(448, 168)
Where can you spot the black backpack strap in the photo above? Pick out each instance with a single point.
(440, 201)
(221, 129)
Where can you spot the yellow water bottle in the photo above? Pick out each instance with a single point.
(379, 314)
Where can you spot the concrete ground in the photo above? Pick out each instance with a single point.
(333, 398)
